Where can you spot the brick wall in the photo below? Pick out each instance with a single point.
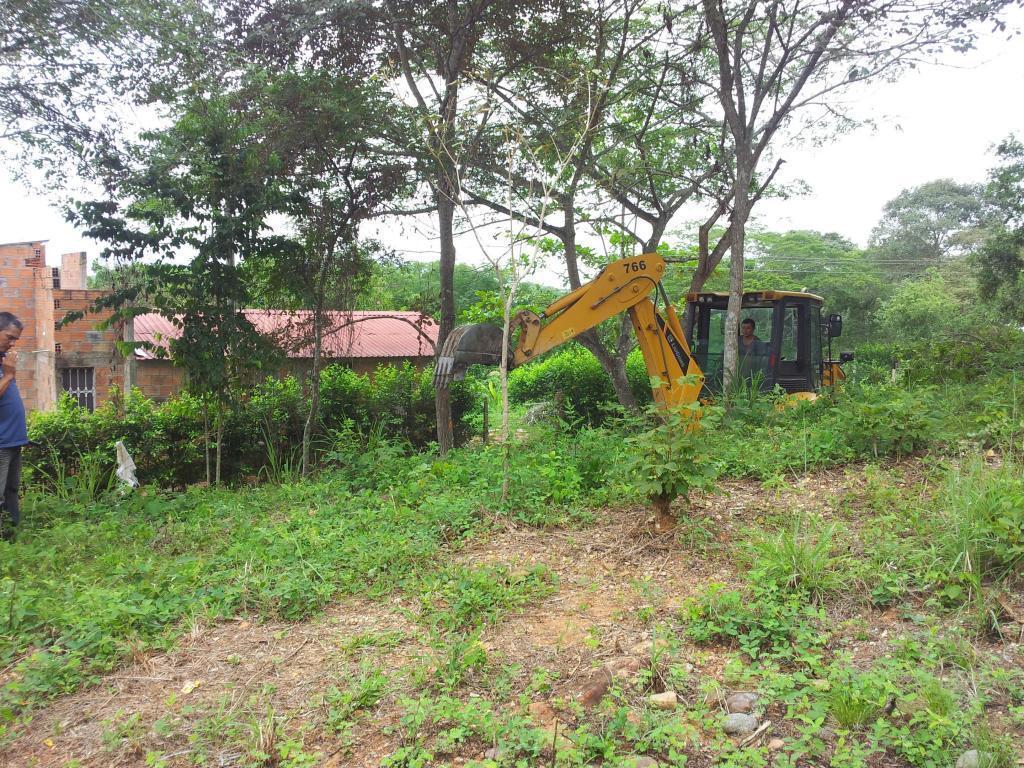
(158, 379)
(81, 344)
(26, 288)
(44, 353)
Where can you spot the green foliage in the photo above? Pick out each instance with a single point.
(574, 377)
(262, 431)
(760, 623)
(398, 400)
(935, 306)
(927, 225)
(977, 525)
(672, 458)
(1000, 260)
(883, 421)
(87, 582)
(361, 692)
(461, 599)
(799, 560)
(825, 264)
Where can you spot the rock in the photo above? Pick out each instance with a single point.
(775, 745)
(494, 753)
(642, 761)
(972, 758)
(542, 713)
(595, 689)
(740, 724)
(741, 703)
(623, 669)
(666, 700)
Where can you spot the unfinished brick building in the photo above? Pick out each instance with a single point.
(78, 358)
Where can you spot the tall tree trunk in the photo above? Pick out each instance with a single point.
(446, 223)
(314, 390)
(220, 440)
(741, 212)
(206, 441)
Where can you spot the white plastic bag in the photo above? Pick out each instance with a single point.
(125, 466)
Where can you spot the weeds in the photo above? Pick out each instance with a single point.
(81, 592)
(799, 560)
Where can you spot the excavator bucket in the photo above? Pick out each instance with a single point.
(466, 345)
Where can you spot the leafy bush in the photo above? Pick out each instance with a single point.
(762, 623)
(397, 399)
(880, 421)
(263, 428)
(575, 377)
(977, 525)
(671, 458)
(798, 560)
(969, 354)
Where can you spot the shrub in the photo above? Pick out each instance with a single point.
(977, 525)
(967, 354)
(671, 458)
(884, 420)
(798, 560)
(263, 426)
(397, 399)
(575, 376)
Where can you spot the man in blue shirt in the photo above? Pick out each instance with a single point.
(13, 428)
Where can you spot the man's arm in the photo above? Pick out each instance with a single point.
(7, 369)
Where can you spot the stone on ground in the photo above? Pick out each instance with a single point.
(740, 724)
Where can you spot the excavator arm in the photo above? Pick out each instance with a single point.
(622, 286)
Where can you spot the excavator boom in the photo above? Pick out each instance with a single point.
(622, 286)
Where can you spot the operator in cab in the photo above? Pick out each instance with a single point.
(753, 353)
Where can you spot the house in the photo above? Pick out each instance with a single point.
(83, 359)
(360, 340)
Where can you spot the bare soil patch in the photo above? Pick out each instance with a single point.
(615, 583)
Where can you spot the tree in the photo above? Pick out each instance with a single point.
(436, 45)
(425, 51)
(206, 185)
(826, 264)
(328, 131)
(780, 58)
(1000, 260)
(932, 306)
(622, 107)
(927, 226)
(67, 65)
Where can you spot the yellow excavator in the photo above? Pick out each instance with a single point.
(684, 359)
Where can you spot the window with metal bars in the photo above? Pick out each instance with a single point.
(79, 383)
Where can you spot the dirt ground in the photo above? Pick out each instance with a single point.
(615, 581)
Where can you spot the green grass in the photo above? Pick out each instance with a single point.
(85, 585)
(88, 584)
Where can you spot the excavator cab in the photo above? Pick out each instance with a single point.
(791, 345)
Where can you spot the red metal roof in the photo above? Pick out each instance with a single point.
(349, 334)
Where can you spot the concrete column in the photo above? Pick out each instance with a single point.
(73, 271)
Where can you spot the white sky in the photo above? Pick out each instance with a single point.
(937, 122)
